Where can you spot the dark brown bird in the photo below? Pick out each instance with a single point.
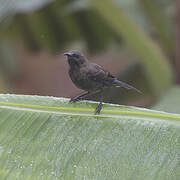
(91, 77)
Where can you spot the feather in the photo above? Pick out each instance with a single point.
(125, 85)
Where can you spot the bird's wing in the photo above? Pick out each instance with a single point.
(97, 73)
(100, 75)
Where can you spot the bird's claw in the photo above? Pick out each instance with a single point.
(72, 100)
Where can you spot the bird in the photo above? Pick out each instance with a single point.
(91, 77)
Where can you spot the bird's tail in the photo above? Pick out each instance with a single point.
(125, 85)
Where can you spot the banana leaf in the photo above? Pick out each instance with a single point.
(49, 138)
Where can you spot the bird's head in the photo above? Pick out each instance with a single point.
(75, 58)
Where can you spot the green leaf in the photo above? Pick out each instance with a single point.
(11, 7)
(49, 138)
(170, 102)
(161, 23)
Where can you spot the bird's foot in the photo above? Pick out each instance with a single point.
(78, 98)
(75, 99)
(98, 109)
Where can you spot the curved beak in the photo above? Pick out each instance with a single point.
(68, 54)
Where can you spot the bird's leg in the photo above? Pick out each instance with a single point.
(99, 107)
(79, 97)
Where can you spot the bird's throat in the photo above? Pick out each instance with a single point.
(72, 62)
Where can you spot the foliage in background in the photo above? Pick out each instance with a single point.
(11, 7)
(170, 102)
(154, 62)
(52, 25)
(162, 25)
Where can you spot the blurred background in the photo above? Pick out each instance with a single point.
(133, 39)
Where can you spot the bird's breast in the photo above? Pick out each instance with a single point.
(80, 78)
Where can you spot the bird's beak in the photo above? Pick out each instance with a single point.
(67, 54)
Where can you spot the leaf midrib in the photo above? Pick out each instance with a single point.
(67, 110)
